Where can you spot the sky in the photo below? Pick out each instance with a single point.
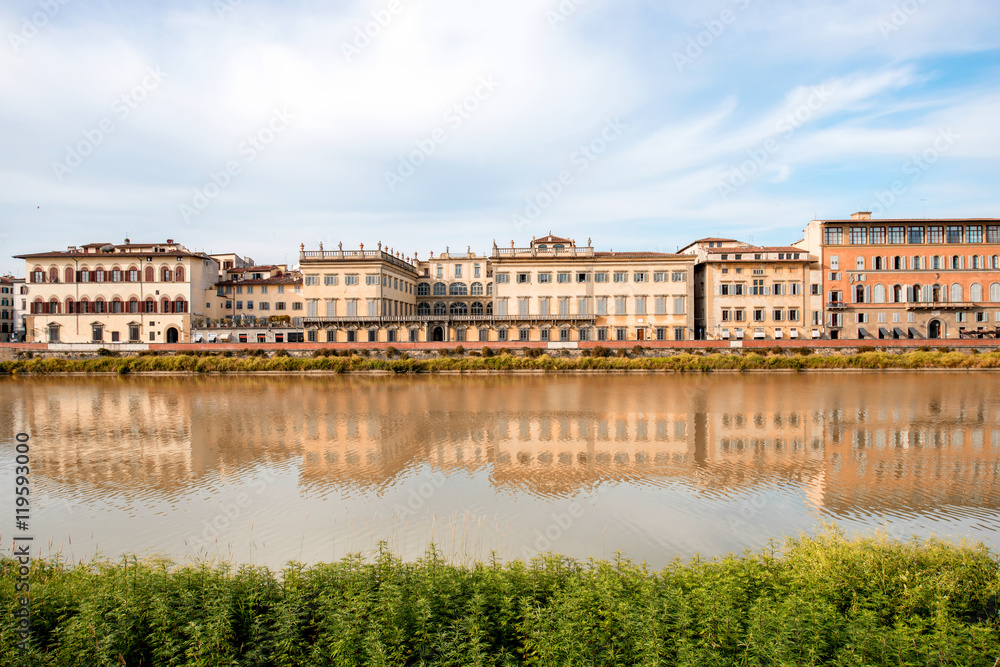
(254, 126)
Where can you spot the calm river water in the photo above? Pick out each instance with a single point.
(270, 469)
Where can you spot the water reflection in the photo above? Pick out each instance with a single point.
(688, 450)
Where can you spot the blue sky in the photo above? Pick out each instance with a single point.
(253, 126)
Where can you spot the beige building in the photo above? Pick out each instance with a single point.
(106, 293)
(744, 291)
(552, 291)
(255, 296)
(8, 298)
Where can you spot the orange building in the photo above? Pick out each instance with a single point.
(907, 278)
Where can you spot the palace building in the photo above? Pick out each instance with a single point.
(907, 278)
(101, 292)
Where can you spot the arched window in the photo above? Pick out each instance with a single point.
(53, 275)
(859, 294)
(542, 246)
(936, 293)
(489, 305)
(150, 304)
(878, 264)
(916, 263)
(458, 289)
(859, 263)
(84, 306)
(423, 289)
(116, 274)
(85, 275)
(54, 306)
(37, 275)
(179, 274)
(100, 306)
(116, 305)
(99, 274)
(133, 305)
(878, 293)
(956, 262)
(995, 262)
(70, 306)
(975, 292)
(150, 274)
(458, 308)
(180, 305)
(936, 262)
(440, 289)
(477, 289)
(164, 305)
(440, 309)
(897, 294)
(897, 263)
(423, 309)
(477, 308)
(559, 246)
(995, 292)
(956, 293)
(165, 275)
(133, 274)
(489, 289)
(38, 307)
(917, 294)
(70, 275)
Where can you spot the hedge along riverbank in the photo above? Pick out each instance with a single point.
(747, 361)
(824, 600)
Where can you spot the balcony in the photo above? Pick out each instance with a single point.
(834, 305)
(355, 256)
(423, 319)
(942, 305)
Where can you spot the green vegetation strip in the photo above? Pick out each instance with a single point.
(451, 361)
(824, 600)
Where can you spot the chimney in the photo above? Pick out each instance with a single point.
(861, 215)
(168, 241)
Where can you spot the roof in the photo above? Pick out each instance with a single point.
(913, 220)
(120, 250)
(753, 249)
(285, 279)
(635, 254)
(552, 239)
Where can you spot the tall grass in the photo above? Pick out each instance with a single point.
(325, 360)
(824, 600)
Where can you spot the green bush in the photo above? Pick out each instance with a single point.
(281, 353)
(105, 352)
(599, 351)
(487, 351)
(823, 600)
(391, 352)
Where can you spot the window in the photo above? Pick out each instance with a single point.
(583, 277)
(352, 336)
(857, 235)
(484, 335)
(993, 233)
(915, 235)
(758, 287)
(309, 279)
(660, 277)
(661, 305)
(562, 278)
(678, 305)
(739, 315)
(563, 306)
(371, 279)
(501, 334)
(458, 270)
(583, 305)
(725, 289)
(793, 314)
(522, 308)
(778, 315)
(503, 278)
(373, 335)
(351, 279)
(832, 236)
(296, 305)
(640, 277)
(477, 289)
(678, 333)
(475, 271)
(834, 275)
(678, 276)
(545, 277)
(602, 333)
(543, 305)
(640, 305)
(896, 234)
(458, 289)
(620, 305)
(935, 234)
(329, 280)
(601, 277)
(621, 333)
(523, 278)
(954, 234)
(621, 277)
(423, 289)
(564, 335)
(584, 334)
(602, 305)
(661, 333)
(440, 271)
(133, 334)
(97, 333)
(522, 334)
(440, 289)
(758, 315)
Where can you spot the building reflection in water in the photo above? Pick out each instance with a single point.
(847, 443)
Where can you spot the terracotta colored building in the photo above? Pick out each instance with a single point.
(907, 278)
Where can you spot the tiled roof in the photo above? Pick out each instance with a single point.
(552, 239)
(277, 280)
(634, 254)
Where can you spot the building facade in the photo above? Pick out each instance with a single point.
(907, 278)
(8, 297)
(106, 293)
(744, 291)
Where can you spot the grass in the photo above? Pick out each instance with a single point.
(457, 360)
(823, 600)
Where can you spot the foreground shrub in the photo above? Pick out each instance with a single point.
(822, 600)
